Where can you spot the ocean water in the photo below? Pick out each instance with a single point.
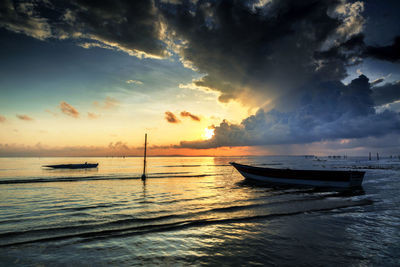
(194, 211)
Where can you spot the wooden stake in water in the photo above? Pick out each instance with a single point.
(144, 160)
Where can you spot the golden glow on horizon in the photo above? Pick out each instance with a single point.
(119, 130)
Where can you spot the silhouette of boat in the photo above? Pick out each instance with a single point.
(320, 178)
(73, 166)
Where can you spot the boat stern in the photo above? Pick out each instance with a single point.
(356, 179)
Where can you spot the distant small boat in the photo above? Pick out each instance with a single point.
(73, 166)
(320, 178)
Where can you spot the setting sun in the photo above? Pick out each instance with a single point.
(208, 133)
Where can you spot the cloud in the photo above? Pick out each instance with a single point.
(331, 111)
(134, 82)
(248, 55)
(24, 117)
(108, 103)
(394, 106)
(2, 119)
(188, 114)
(266, 55)
(245, 49)
(92, 116)
(171, 118)
(387, 93)
(118, 149)
(174, 2)
(118, 146)
(23, 18)
(388, 53)
(352, 21)
(359, 49)
(69, 110)
(387, 145)
(377, 81)
(130, 26)
(287, 58)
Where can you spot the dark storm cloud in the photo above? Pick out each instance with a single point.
(241, 46)
(265, 52)
(330, 111)
(171, 118)
(190, 115)
(131, 26)
(286, 55)
(356, 47)
(387, 93)
(269, 54)
(390, 141)
(388, 53)
(22, 17)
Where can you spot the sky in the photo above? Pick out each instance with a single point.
(212, 78)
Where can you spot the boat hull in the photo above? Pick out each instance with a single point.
(73, 166)
(318, 178)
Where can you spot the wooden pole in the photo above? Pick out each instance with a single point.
(144, 158)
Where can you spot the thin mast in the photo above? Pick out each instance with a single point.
(144, 160)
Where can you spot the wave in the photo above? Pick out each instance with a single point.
(182, 165)
(96, 231)
(87, 207)
(195, 165)
(270, 164)
(191, 214)
(95, 178)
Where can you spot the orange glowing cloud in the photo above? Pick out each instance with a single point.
(190, 115)
(171, 118)
(69, 110)
(108, 103)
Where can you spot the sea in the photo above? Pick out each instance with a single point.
(195, 211)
